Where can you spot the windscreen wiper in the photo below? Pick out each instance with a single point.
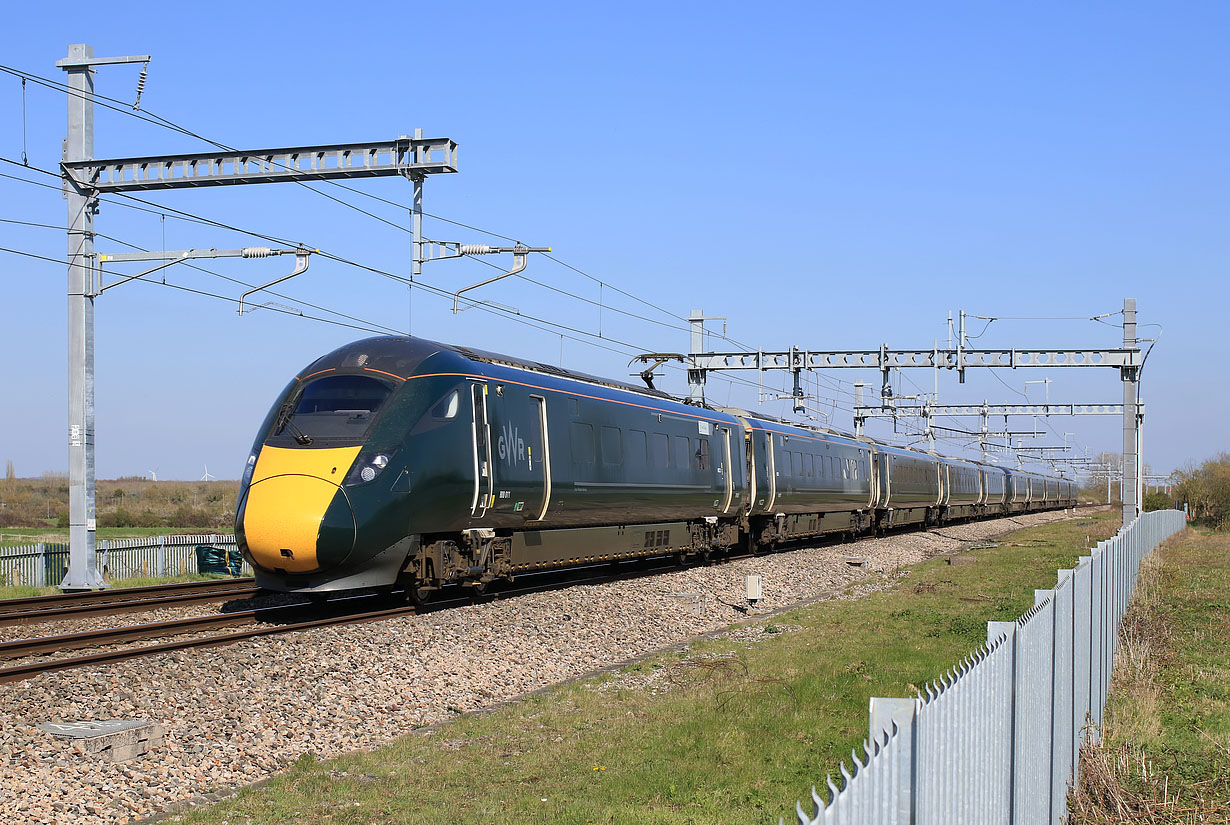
(284, 420)
(300, 435)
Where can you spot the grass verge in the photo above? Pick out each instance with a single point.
(1165, 753)
(733, 730)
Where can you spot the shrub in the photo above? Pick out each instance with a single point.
(1157, 501)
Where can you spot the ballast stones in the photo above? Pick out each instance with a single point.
(110, 740)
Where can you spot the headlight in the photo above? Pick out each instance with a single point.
(248, 469)
(366, 469)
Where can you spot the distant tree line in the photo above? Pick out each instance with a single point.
(1206, 491)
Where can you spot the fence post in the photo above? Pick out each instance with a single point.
(1005, 719)
(40, 564)
(884, 712)
(1045, 772)
(162, 555)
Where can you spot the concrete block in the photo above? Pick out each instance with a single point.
(109, 740)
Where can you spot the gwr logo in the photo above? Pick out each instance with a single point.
(510, 446)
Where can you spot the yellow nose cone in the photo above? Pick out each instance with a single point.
(290, 493)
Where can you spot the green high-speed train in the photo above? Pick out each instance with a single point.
(396, 461)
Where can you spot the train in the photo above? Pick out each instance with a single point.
(396, 462)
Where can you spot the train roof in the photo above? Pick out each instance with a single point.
(485, 357)
(401, 356)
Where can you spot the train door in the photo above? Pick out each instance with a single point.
(725, 468)
(483, 468)
(749, 447)
(884, 480)
(541, 403)
(771, 463)
(520, 451)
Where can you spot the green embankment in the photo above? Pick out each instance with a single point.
(1165, 756)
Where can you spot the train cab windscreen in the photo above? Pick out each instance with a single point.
(334, 408)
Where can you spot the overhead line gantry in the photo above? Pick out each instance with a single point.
(86, 178)
(1126, 359)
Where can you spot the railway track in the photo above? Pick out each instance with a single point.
(270, 621)
(267, 621)
(122, 600)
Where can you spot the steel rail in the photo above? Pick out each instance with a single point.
(19, 648)
(125, 600)
(15, 673)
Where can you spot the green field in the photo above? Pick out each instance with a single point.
(729, 731)
(32, 508)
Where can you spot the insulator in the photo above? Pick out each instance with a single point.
(257, 252)
(141, 85)
(474, 249)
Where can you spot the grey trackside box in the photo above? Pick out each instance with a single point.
(111, 740)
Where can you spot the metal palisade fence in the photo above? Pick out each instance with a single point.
(996, 741)
(44, 564)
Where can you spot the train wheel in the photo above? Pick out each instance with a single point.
(419, 596)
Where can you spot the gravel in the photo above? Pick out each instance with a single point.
(237, 714)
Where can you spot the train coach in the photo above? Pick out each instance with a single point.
(397, 461)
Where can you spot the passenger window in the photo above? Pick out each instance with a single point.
(681, 450)
(702, 454)
(796, 464)
(635, 455)
(582, 437)
(612, 446)
(659, 454)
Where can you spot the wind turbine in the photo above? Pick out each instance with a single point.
(208, 476)
(153, 475)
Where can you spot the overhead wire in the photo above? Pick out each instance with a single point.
(162, 121)
(154, 118)
(227, 298)
(520, 317)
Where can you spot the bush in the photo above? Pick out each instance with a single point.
(1158, 501)
(1206, 491)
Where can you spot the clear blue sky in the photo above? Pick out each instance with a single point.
(823, 175)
